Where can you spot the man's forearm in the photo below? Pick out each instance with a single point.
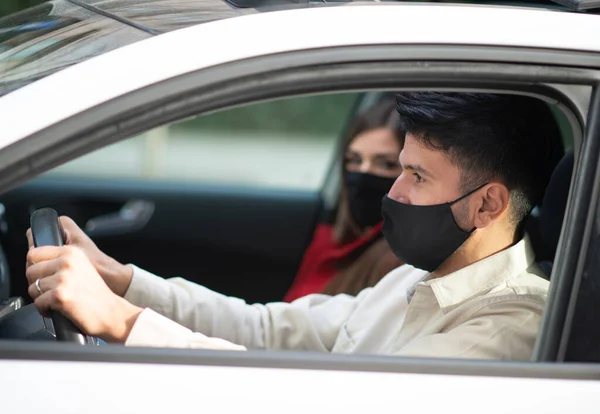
(306, 324)
(197, 308)
(154, 330)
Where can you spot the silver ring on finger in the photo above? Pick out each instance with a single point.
(37, 286)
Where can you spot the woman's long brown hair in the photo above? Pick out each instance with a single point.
(374, 260)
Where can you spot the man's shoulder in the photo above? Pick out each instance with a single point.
(469, 292)
(532, 281)
(526, 291)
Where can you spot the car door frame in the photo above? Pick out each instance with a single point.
(575, 296)
(302, 72)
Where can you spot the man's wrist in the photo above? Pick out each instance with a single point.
(123, 317)
(117, 276)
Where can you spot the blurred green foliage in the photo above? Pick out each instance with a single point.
(12, 6)
(317, 116)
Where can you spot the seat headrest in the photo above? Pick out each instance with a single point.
(555, 203)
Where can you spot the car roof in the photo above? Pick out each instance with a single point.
(57, 34)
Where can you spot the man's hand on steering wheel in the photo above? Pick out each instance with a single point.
(64, 279)
(116, 275)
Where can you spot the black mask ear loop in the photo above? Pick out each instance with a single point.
(462, 198)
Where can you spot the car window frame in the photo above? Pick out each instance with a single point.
(137, 111)
(186, 90)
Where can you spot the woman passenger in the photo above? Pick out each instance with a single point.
(351, 254)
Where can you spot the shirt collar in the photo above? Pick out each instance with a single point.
(483, 275)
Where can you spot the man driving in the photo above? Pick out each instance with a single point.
(474, 166)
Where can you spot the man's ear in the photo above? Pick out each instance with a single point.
(492, 204)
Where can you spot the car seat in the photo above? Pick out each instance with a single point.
(552, 213)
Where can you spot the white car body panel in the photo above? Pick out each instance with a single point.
(92, 387)
(100, 79)
(102, 387)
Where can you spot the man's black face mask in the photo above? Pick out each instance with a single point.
(364, 192)
(423, 236)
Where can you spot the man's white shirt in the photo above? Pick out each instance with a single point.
(490, 309)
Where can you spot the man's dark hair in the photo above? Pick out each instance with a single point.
(509, 138)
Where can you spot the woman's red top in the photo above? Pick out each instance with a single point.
(319, 264)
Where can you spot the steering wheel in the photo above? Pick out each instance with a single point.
(26, 322)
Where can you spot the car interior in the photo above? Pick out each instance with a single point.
(191, 205)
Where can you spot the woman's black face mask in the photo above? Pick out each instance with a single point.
(423, 236)
(364, 192)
